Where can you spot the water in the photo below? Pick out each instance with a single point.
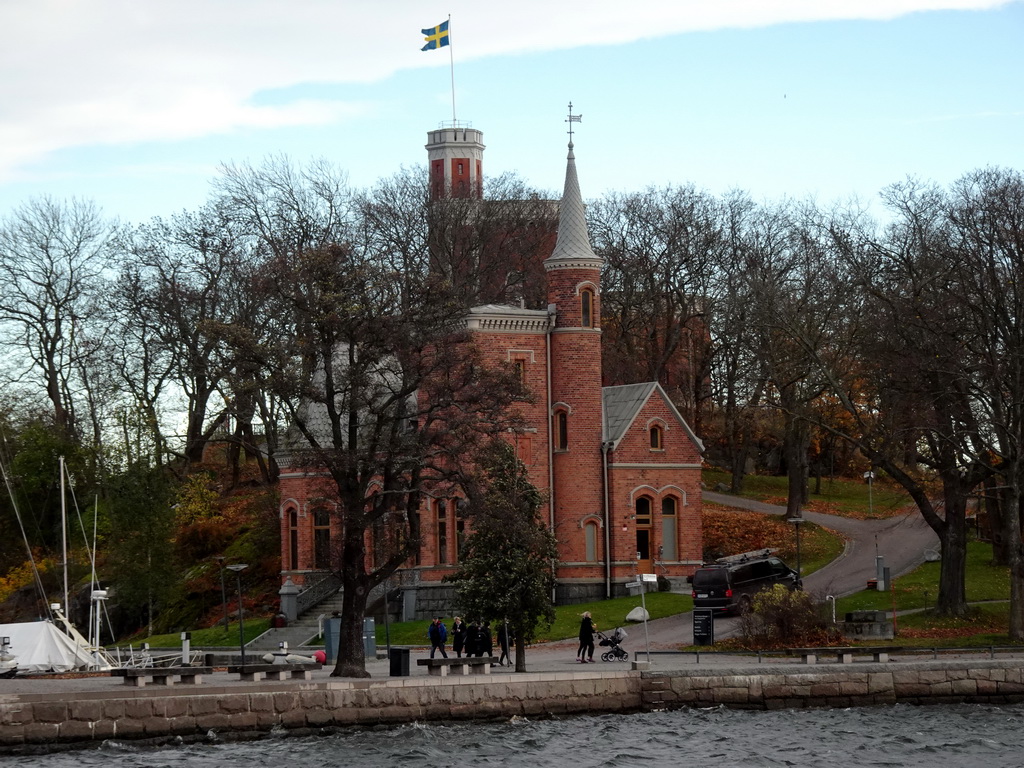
(903, 736)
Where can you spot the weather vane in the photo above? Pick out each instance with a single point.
(573, 119)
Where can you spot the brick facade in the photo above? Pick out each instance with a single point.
(619, 465)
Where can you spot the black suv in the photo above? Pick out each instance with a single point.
(729, 584)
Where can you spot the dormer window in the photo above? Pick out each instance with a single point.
(587, 308)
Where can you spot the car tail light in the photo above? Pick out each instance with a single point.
(728, 593)
(693, 594)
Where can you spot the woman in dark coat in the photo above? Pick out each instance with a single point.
(459, 635)
(586, 648)
(472, 641)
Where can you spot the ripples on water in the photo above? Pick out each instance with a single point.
(904, 736)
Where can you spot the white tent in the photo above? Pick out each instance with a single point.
(38, 646)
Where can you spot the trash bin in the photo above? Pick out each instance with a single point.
(370, 638)
(399, 658)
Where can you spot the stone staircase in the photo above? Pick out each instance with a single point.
(301, 631)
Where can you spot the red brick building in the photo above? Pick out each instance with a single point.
(619, 466)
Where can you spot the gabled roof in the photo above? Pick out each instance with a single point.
(622, 404)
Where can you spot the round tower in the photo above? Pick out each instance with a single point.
(574, 295)
(455, 153)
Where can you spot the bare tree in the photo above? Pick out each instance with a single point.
(986, 213)
(51, 257)
(383, 394)
(660, 248)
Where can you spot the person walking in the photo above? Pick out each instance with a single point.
(486, 641)
(586, 649)
(438, 634)
(459, 634)
(504, 638)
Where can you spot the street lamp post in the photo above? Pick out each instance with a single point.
(223, 592)
(870, 476)
(238, 568)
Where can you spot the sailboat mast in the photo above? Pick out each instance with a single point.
(64, 537)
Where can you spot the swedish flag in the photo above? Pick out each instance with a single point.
(436, 37)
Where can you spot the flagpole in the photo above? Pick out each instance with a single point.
(451, 59)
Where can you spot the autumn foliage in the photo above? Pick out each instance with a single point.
(730, 533)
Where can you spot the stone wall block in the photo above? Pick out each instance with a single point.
(34, 733)
(113, 709)
(854, 688)
(213, 721)
(879, 682)
(88, 710)
(176, 706)
(75, 730)
(200, 706)
(965, 687)
(103, 729)
(15, 713)
(127, 728)
(49, 712)
(732, 695)
(181, 725)
(261, 702)
(286, 702)
(230, 705)
(321, 716)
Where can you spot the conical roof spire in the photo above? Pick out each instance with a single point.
(572, 248)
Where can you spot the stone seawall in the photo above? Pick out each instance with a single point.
(91, 716)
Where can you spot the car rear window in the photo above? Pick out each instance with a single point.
(708, 577)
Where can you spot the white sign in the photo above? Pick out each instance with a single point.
(649, 576)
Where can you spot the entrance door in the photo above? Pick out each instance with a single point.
(643, 549)
(643, 535)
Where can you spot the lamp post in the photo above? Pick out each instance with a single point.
(238, 568)
(223, 591)
(869, 476)
(796, 520)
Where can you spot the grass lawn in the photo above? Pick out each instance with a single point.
(987, 623)
(214, 637)
(919, 588)
(840, 497)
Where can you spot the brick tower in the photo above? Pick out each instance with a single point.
(455, 154)
(574, 279)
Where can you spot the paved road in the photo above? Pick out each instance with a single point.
(901, 540)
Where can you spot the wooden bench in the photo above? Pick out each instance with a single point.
(844, 655)
(467, 665)
(141, 676)
(256, 672)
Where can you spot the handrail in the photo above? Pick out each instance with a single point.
(316, 593)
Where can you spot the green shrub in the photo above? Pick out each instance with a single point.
(780, 617)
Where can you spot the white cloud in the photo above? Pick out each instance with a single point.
(112, 71)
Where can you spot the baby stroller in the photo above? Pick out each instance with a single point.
(615, 652)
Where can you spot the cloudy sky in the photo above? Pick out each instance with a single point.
(136, 104)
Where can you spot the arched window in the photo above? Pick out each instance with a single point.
(669, 529)
(590, 537)
(293, 539)
(321, 538)
(657, 434)
(587, 308)
(442, 531)
(561, 430)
